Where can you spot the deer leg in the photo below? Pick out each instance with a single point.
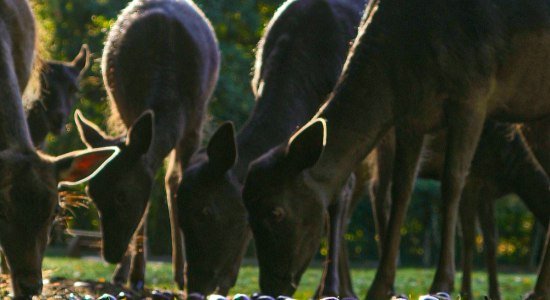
(346, 286)
(344, 272)
(465, 123)
(331, 281)
(179, 159)
(381, 186)
(139, 257)
(4, 268)
(537, 244)
(122, 271)
(542, 287)
(172, 181)
(468, 224)
(490, 239)
(408, 147)
(133, 262)
(428, 233)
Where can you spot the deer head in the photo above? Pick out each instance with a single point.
(121, 190)
(209, 204)
(28, 201)
(286, 213)
(60, 82)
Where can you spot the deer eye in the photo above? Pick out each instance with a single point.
(278, 214)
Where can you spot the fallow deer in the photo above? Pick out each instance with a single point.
(59, 84)
(29, 179)
(417, 66)
(161, 59)
(298, 62)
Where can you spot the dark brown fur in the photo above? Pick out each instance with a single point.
(59, 82)
(161, 57)
(419, 66)
(28, 179)
(297, 64)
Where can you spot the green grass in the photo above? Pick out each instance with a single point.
(412, 281)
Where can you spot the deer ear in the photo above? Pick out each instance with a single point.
(82, 61)
(141, 133)
(305, 147)
(80, 166)
(222, 149)
(90, 134)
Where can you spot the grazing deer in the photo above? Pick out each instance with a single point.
(59, 82)
(298, 62)
(502, 164)
(456, 66)
(161, 59)
(28, 179)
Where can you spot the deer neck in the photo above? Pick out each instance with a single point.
(16, 60)
(14, 132)
(357, 116)
(168, 130)
(275, 118)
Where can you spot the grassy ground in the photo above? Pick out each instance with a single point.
(412, 281)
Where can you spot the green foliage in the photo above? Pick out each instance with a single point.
(238, 25)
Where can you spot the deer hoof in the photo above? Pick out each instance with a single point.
(138, 285)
